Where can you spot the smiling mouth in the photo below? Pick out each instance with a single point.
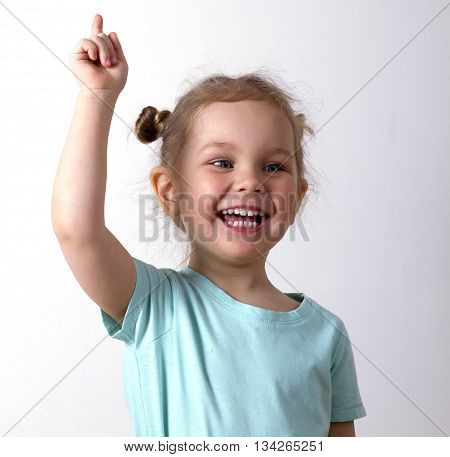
(242, 222)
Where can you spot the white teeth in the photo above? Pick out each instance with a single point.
(243, 212)
(242, 223)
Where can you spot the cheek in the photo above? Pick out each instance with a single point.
(207, 189)
(283, 195)
(200, 192)
(200, 203)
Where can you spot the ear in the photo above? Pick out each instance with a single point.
(301, 191)
(163, 186)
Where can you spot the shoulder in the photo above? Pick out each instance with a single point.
(325, 316)
(150, 275)
(329, 327)
(152, 268)
(156, 287)
(150, 310)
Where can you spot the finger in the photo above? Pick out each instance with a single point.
(97, 24)
(117, 46)
(85, 45)
(103, 50)
(111, 50)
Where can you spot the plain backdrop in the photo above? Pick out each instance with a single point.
(374, 246)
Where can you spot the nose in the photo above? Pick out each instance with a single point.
(248, 180)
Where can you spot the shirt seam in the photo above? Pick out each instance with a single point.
(134, 312)
(335, 358)
(141, 302)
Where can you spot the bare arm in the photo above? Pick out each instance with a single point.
(342, 429)
(80, 183)
(100, 263)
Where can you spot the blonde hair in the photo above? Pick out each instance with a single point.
(174, 127)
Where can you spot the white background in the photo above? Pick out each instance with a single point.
(378, 248)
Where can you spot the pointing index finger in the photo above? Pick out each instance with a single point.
(97, 24)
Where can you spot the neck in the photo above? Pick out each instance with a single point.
(239, 279)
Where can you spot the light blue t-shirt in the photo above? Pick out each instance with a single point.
(197, 362)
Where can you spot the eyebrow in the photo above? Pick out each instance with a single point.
(221, 144)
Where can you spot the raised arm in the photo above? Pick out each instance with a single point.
(101, 265)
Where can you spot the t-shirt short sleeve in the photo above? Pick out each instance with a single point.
(346, 399)
(149, 313)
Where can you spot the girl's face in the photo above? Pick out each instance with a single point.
(255, 166)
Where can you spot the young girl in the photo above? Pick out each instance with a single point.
(213, 349)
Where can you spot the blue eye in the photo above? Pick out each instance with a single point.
(220, 160)
(276, 164)
(280, 167)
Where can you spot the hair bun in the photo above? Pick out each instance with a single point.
(150, 124)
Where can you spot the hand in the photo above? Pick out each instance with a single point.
(99, 62)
